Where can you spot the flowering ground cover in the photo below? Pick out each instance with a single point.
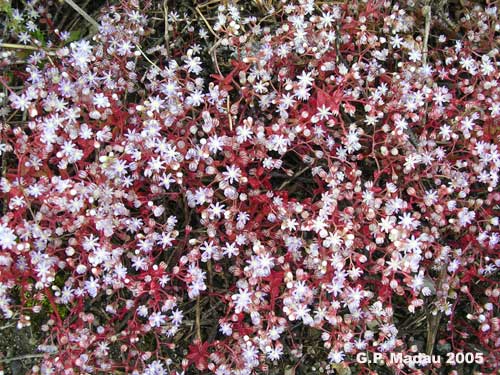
(266, 187)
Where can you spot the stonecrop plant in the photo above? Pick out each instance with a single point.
(265, 188)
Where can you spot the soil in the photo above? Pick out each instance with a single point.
(16, 343)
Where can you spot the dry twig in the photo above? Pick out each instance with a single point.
(82, 13)
(21, 357)
(166, 35)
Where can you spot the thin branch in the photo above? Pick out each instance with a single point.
(434, 320)
(230, 118)
(425, 50)
(206, 22)
(3, 174)
(166, 35)
(29, 48)
(427, 13)
(412, 137)
(300, 173)
(21, 357)
(198, 324)
(82, 13)
(204, 5)
(213, 53)
(146, 57)
(74, 20)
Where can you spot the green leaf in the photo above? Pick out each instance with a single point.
(74, 35)
(38, 35)
(5, 7)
